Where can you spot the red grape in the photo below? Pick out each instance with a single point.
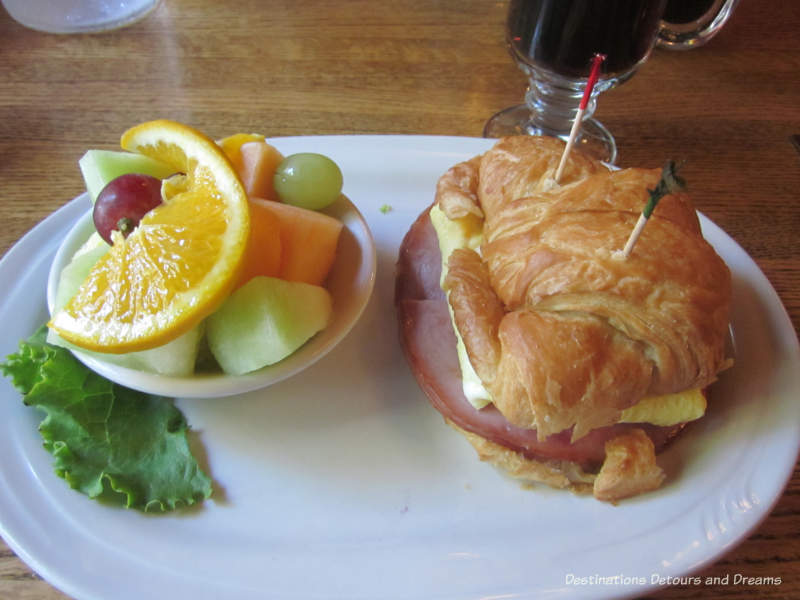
(123, 202)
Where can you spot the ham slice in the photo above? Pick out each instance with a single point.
(429, 343)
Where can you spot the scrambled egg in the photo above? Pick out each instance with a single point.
(467, 232)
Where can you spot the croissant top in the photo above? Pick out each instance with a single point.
(562, 332)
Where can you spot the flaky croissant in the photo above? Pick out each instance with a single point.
(561, 331)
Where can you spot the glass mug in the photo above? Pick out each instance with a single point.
(688, 24)
(78, 16)
(554, 41)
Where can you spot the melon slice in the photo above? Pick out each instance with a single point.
(264, 321)
(259, 161)
(76, 271)
(308, 241)
(173, 359)
(98, 167)
(263, 255)
(232, 145)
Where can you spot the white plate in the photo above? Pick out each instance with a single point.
(350, 282)
(343, 482)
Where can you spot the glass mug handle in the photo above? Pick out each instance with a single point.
(696, 32)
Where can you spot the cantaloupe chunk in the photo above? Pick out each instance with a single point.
(308, 241)
(232, 146)
(263, 255)
(259, 162)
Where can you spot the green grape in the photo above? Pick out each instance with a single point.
(308, 180)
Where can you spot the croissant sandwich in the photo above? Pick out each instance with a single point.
(560, 361)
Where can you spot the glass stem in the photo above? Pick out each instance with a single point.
(554, 104)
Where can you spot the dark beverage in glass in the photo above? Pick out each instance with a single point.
(554, 42)
(680, 12)
(562, 36)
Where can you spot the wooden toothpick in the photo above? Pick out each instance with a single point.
(576, 124)
(669, 183)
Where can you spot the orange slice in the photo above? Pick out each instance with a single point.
(179, 264)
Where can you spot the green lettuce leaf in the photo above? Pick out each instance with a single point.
(109, 442)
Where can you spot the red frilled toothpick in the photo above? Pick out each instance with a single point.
(576, 125)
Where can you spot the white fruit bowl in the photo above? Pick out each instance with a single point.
(350, 283)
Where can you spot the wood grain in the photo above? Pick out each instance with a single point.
(316, 67)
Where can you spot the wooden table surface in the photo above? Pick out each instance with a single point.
(420, 67)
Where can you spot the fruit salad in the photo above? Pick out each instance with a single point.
(206, 256)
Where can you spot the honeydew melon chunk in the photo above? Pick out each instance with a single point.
(176, 358)
(264, 321)
(98, 167)
(76, 271)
